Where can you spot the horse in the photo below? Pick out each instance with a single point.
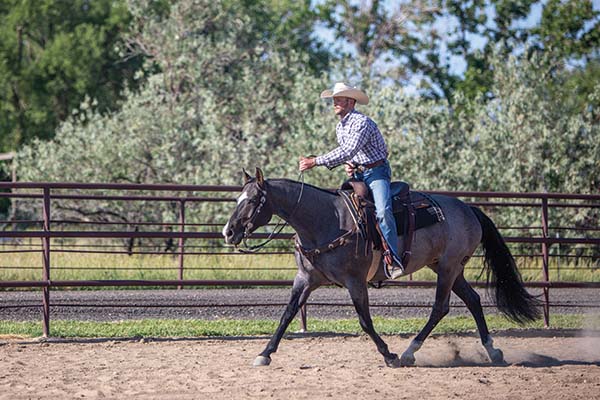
(322, 221)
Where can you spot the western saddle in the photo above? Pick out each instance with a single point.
(412, 210)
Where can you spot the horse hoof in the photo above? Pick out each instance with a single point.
(407, 360)
(262, 361)
(497, 356)
(393, 361)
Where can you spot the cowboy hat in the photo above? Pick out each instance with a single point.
(340, 89)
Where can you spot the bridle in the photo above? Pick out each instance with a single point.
(278, 228)
(255, 213)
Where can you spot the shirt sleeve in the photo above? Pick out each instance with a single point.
(357, 137)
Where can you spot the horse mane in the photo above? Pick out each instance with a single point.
(333, 193)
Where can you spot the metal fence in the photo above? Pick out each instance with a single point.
(535, 242)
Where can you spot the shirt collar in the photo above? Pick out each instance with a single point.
(347, 116)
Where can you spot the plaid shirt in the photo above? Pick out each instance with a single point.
(359, 141)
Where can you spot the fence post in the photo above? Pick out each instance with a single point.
(558, 258)
(545, 261)
(181, 240)
(46, 270)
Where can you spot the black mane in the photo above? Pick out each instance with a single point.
(332, 192)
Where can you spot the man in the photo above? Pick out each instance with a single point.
(363, 152)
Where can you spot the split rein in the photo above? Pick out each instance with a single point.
(278, 228)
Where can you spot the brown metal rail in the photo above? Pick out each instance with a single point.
(255, 282)
(45, 234)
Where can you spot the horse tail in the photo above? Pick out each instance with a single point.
(511, 297)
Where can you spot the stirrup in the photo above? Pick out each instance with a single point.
(393, 267)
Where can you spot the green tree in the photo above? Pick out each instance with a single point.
(288, 25)
(421, 39)
(567, 30)
(377, 32)
(570, 29)
(528, 137)
(52, 55)
(494, 22)
(570, 32)
(221, 99)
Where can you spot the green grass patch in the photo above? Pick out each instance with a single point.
(202, 328)
(232, 266)
(74, 266)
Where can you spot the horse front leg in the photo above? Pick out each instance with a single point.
(300, 292)
(360, 298)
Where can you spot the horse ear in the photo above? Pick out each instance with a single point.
(260, 178)
(247, 176)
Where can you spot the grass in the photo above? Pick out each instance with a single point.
(239, 328)
(231, 266)
(85, 266)
(234, 266)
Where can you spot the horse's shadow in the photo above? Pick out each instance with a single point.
(542, 361)
(529, 360)
(515, 357)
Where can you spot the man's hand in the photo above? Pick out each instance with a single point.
(349, 168)
(306, 163)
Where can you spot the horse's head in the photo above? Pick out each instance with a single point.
(253, 210)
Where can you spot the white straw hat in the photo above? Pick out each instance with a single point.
(340, 89)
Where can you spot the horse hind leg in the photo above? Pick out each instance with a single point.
(440, 309)
(470, 297)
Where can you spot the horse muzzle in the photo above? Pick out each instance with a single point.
(232, 237)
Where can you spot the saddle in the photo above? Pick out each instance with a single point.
(412, 211)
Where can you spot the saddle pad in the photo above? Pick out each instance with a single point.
(428, 213)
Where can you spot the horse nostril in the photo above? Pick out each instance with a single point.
(229, 233)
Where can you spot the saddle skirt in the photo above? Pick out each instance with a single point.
(412, 211)
(428, 211)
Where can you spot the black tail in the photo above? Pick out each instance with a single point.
(511, 297)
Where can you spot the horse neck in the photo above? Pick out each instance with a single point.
(312, 212)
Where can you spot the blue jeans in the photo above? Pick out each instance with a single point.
(378, 179)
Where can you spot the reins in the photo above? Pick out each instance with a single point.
(278, 228)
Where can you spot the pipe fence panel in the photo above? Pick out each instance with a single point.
(127, 235)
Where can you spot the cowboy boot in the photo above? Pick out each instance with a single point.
(393, 267)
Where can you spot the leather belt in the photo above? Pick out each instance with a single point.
(375, 164)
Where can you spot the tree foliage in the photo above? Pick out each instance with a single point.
(223, 98)
(427, 40)
(52, 55)
(377, 32)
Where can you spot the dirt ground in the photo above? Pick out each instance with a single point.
(541, 365)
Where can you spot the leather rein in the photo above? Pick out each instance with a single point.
(311, 254)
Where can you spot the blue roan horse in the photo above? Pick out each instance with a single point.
(320, 217)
